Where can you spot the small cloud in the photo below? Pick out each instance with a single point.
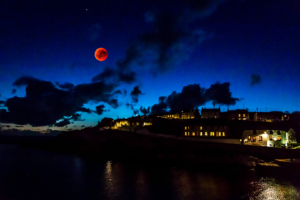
(255, 79)
(66, 86)
(62, 123)
(100, 109)
(145, 111)
(117, 92)
(14, 91)
(135, 94)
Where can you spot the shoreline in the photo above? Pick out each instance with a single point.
(148, 149)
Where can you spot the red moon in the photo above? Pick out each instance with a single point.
(101, 54)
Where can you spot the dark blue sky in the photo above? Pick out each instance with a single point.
(239, 53)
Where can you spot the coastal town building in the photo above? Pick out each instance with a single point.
(121, 122)
(171, 116)
(239, 114)
(206, 128)
(272, 129)
(190, 114)
(210, 113)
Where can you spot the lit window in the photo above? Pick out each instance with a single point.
(249, 137)
(188, 133)
(185, 133)
(185, 128)
(271, 137)
(137, 123)
(193, 134)
(200, 133)
(215, 117)
(188, 128)
(253, 139)
(217, 133)
(200, 127)
(244, 115)
(239, 115)
(205, 133)
(223, 133)
(279, 138)
(260, 138)
(212, 133)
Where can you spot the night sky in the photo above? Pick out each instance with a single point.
(162, 56)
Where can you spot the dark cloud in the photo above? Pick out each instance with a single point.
(7, 126)
(133, 53)
(87, 110)
(76, 117)
(44, 104)
(125, 92)
(220, 94)
(161, 107)
(115, 76)
(170, 40)
(14, 91)
(113, 103)
(107, 74)
(145, 111)
(19, 126)
(2, 102)
(193, 96)
(100, 109)
(117, 92)
(127, 77)
(66, 86)
(202, 8)
(82, 126)
(135, 94)
(255, 79)
(62, 123)
(131, 106)
(136, 111)
(171, 37)
(190, 97)
(128, 105)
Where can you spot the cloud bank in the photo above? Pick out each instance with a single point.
(193, 96)
(44, 104)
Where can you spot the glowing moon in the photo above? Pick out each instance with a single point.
(101, 54)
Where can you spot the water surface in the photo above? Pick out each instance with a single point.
(27, 173)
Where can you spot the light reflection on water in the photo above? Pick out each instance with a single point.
(33, 174)
(269, 188)
(141, 185)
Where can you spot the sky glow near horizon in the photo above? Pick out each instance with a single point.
(161, 47)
